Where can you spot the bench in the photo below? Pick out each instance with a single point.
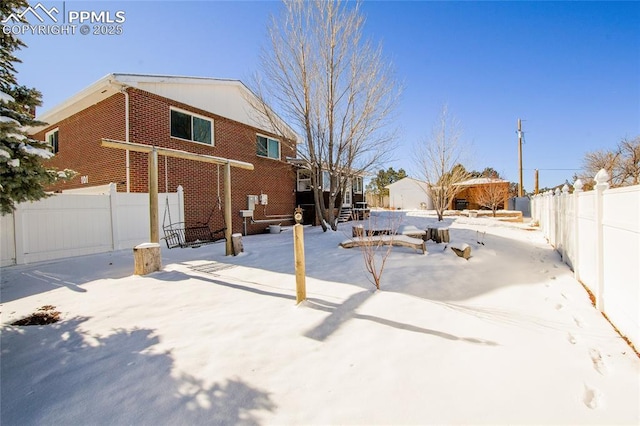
(394, 240)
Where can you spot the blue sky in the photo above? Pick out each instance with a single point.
(569, 70)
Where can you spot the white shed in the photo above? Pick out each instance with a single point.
(409, 194)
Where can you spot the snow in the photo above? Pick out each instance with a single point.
(4, 97)
(5, 119)
(30, 149)
(506, 337)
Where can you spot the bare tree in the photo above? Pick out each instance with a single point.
(438, 161)
(493, 194)
(334, 88)
(622, 164)
(377, 248)
(630, 164)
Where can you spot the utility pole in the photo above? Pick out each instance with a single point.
(535, 185)
(520, 194)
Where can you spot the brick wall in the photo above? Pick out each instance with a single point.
(80, 150)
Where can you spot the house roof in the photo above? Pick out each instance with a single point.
(225, 97)
(406, 179)
(480, 181)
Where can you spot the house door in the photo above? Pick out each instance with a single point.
(346, 200)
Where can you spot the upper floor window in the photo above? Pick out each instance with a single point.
(267, 147)
(51, 137)
(191, 127)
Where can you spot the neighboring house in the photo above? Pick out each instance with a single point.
(200, 115)
(474, 193)
(409, 194)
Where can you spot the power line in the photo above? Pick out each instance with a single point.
(558, 170)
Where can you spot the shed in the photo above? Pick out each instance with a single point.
(409, 194)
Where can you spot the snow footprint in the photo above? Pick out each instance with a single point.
(598, 363)
(578, 321)
(592, 398)
(572, 339)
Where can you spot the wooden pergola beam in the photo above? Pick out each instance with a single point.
(168, 152)
(153, 152)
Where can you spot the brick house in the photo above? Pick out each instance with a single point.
(200, 115)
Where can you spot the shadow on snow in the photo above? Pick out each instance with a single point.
(53, 375)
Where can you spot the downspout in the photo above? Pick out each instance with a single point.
(123, 90)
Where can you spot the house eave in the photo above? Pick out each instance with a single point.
(113, 83)
(91, 95)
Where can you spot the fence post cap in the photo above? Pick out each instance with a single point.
(557, 192)
(602, 177)
(578, 185)
(565, 189)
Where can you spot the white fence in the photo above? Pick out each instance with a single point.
(597, 233)
(73, 224)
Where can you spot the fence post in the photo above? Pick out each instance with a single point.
(602, 183)
(113, 211)
(18, 234)
(564, 222)
(577, 189)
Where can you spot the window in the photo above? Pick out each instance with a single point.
(51, 138)
(357, 185)
(304, 180)
(267, 147)
(191, 127)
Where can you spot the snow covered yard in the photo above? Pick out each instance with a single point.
(507, 337)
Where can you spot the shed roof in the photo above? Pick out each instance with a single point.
(480, 181)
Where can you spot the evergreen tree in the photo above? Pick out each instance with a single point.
(382, 179)
(23, 177)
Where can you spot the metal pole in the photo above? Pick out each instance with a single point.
(153, 196)
(520, 193)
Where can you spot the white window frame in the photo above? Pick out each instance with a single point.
(269, 138)
(192, 114)
(50, 133)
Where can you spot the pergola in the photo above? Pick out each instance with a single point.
(153, 152)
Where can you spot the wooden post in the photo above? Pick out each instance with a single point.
(535, 182)
(298, 258)
(146, 258)
(227, 210)
(153, 196)
(237, 243)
